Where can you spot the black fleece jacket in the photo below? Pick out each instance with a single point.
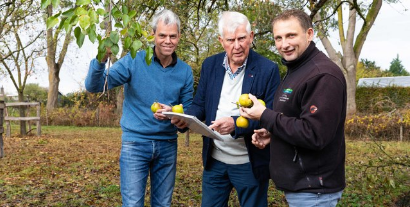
(307, 125)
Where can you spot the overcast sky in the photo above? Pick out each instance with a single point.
(388, 37)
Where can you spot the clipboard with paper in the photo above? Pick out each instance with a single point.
(195, 125)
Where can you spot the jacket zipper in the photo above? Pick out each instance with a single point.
(298, 158)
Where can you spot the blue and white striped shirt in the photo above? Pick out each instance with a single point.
(228, 68)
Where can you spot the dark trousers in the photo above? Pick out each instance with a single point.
(220, 178)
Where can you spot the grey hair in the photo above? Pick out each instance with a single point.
(231, 20)
(166, 16)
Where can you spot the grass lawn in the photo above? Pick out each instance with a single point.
(78, 166)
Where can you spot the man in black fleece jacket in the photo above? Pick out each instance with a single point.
(305, 129)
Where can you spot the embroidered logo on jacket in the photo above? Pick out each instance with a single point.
(313, 109)
(284, 96)
(288, 90)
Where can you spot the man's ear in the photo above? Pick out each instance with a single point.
(251, 35)
(310, 33)
(220, 39)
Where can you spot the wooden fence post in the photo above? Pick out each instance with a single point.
(401, 128)
(1, 128)
(187, 138)
(38, 121)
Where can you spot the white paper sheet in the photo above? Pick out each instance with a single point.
(195, 125)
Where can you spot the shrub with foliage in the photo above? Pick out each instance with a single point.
(103, 115)
(84, 109)
(383, 126)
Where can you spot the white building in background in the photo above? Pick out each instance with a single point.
(400, 81)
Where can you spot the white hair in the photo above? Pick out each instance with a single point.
(166, 16)
(230, 21)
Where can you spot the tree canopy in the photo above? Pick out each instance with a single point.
(396, 68)
(129, 30)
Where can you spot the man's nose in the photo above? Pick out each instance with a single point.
(236, 44)
(285, 43)
(167, 39)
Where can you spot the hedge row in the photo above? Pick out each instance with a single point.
(383, 114)
(377, 100)
(103, 116)
(383, 126)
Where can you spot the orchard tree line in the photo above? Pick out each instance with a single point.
(123, 26)
(34, 92)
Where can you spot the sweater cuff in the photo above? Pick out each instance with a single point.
(97, 64)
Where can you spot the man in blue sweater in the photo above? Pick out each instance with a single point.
(234, 162)
(149, 141)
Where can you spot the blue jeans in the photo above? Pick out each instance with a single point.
(220, 178)
(313, 199)
(140, 159)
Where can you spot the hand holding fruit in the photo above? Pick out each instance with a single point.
(255, 112)
(181, 124)
(157, 108)
(245, 101)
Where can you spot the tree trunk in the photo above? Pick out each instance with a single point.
(55, 63)
(54, 81)
(351, 45)
(120, 100)
(351, 91)
(22, 110)
(50, 58)
(187, 138)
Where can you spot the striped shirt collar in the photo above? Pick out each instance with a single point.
(225, 64)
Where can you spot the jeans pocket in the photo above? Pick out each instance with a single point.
(129, 143)
(172, 140)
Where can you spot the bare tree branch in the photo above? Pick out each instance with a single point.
(22, 48)
(316, 7)
(6, 4)
(367, 25)
(64, 48)
(210, 7)
(332, 14)
(353, 5)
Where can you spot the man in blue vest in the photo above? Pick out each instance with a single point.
(233, 162)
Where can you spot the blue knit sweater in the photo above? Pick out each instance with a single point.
(143, 85)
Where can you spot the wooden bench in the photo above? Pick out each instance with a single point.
(8, 118)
